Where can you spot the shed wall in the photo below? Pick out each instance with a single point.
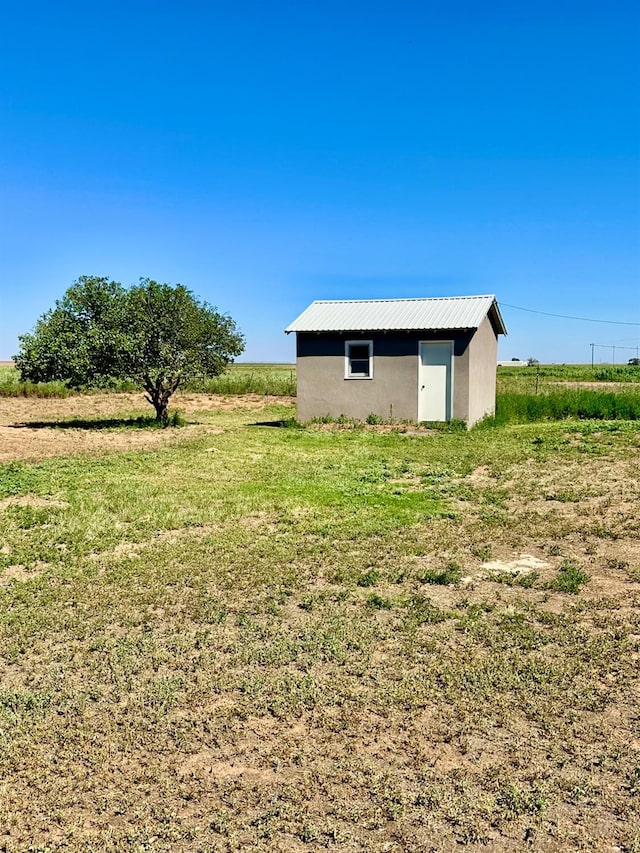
(483, 356)
(393, 390)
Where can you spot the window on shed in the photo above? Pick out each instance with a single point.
(358, 359)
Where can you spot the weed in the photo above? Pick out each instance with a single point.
(615, 563)
(513, 802)
(633, 781)
(454, 425)
(482, 552)
(342, 420)
(369, 578)
(420, 611)
(525, 579)
(451, 574)
(379, 602)
(570, 578)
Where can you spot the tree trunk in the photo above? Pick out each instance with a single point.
(159, 395)
(161, 405)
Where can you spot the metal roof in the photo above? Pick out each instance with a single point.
(360, 315)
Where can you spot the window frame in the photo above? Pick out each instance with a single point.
(348, 359)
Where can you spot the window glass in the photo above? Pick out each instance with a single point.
(359, 359)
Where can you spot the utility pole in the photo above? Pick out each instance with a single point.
(592, 348)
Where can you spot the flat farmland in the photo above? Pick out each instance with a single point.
(241, 634)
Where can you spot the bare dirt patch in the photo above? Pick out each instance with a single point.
(25, 434)
(16, 573)
(524, 564)
(24, 443)
(19, 410)
(480, 477)
(33, 500)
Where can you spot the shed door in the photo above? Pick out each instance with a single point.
(435, 381)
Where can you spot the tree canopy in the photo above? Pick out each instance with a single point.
(156, 335)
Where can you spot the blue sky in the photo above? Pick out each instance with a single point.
(269, 154)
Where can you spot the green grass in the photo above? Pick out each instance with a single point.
(266, 379)
(11, 386)
(512, 408)
(244, 378)
(525, 378)
(232, 642)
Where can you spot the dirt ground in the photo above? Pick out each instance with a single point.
(33, 428)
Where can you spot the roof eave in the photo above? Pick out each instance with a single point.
(496, 318)
(368, 329)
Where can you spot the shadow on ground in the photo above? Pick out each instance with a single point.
(287, 423)
(142, 422)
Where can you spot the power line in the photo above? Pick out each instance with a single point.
(568, 317)
(614, 346)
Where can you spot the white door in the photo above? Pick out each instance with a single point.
(434, 381)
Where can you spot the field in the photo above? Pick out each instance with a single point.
(271, 379)
(241, 634)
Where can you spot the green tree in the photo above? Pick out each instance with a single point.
(156, 335)
(77, 341)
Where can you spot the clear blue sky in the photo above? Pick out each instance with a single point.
(269, 154)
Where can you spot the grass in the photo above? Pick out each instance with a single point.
(548, 375)
(243, 378)
(246, 378)
(560, 405)
(275, 638)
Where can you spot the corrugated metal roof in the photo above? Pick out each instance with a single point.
(359, 315)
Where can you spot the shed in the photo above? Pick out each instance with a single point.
(408, 359)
